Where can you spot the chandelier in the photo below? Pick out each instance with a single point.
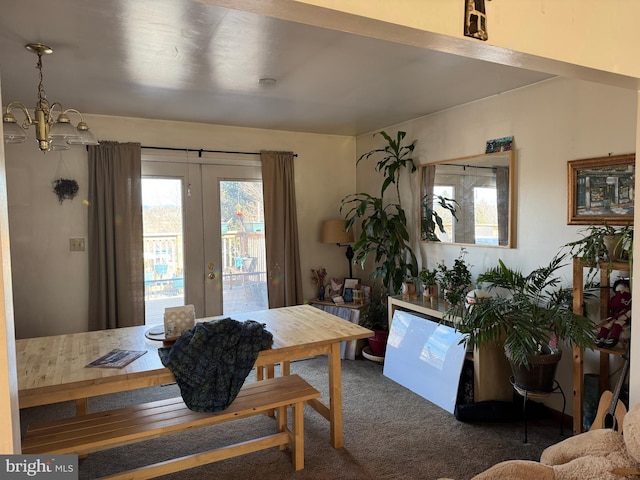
(51, 134)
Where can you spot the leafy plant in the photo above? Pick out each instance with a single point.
(430, 217)
(456, 281)
(597, 243)
(428, 277)
(375, 316)
(396, 156)
(529, 313)
(384, 236)
(65, 189)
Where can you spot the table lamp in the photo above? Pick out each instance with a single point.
(334, 231)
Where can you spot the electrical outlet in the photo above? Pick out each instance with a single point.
(76, 244)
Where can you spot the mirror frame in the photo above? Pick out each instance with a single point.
(468, 161)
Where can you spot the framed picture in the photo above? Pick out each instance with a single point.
(601, 190)
(349, 286)
(351, 282)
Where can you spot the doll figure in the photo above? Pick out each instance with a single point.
(619, 315)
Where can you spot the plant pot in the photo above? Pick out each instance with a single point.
(430, 292)
(378, 343)
(615, 248)
(539, 375)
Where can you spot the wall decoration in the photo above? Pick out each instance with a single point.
(499, 145)
(601, 190)
(475, 20)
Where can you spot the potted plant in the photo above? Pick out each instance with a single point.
(530, 314)
(602, 243)
(65, 189)
(375, 316)
(429, 281)
(383, 230)
(456, 281)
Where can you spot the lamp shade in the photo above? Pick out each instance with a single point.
(334, 231)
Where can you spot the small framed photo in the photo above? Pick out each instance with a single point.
(351, 282)
(347, 294)
(349, 286)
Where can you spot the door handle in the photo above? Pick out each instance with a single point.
(211, 275)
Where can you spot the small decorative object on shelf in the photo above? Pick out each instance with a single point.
(616, 326)
(358, 295)
(409, 290)
(318, 276)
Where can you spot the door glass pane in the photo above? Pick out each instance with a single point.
(163, 246)
(244, 278)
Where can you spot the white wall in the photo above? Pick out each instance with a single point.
(50, 283)
(552, 122)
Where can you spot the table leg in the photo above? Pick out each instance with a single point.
(335, 396)
(82, 406)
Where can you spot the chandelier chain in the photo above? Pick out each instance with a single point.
(42, 95)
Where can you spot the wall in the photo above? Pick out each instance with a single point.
(598, 35)
(551, 122)
(50, 283)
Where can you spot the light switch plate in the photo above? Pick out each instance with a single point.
(76, 244)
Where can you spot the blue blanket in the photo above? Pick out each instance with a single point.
(212, 360)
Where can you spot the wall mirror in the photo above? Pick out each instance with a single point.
(484, 187)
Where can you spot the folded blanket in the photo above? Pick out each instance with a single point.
(212, 360)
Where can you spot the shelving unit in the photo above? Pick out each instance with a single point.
(578, 354)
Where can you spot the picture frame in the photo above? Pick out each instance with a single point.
(600, 190)
(351, 282)
(349, 286)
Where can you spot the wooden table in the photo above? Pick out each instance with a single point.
(52, 369)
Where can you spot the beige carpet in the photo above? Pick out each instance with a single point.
(389, 433)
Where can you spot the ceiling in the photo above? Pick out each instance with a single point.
(184, 60)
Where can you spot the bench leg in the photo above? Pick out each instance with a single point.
(281, 421)
(298, 435)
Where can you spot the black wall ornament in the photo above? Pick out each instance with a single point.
(63, 186)
(475, 20)
(65, 189)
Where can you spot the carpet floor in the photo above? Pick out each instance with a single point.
(389, 433)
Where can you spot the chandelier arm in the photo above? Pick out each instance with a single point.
(28, 121)
(52, 108)
(69, 110)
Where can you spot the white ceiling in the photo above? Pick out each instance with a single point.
(184, 60)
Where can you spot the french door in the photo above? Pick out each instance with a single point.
(203, 238)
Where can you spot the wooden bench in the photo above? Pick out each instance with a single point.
(103, 430)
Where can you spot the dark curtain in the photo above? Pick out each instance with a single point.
(284, 284)
(116, 276)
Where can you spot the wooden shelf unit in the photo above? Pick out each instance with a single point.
(578, 354)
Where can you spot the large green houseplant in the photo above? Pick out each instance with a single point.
(528, 314)
(383, 230)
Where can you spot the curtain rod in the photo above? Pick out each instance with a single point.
(466, 166)
(202, 150)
